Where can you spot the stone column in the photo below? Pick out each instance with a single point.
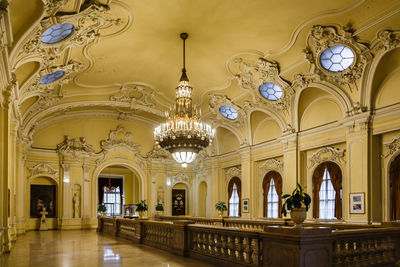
(66, 199)
(247, 180)
(85, 196)
(12, 179)
(21, 193)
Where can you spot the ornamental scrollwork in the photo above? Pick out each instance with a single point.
(181, 178)
(271, 165)
(216, 101)
(252, 76)
(43, 169)
(120, 137)
(323, 37)
(135, 95)
(158, 153)
(76, 147)
(233, 172)
(327, 154)
(392, 147)
(386, 41)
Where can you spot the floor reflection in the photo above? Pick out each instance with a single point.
(109, 255)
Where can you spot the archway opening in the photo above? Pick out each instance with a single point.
(202, 199)
(235, 197)
(118, 190)
(43, 194)
(180, 199)
(394, 176)
(327, 191)
(272, 187)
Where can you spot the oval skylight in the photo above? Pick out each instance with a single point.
(228, 112)
(337, 58)
(271, 91)
(57, 33)
(52, 77)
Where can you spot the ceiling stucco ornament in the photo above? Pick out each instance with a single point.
(75, 147)
(216, 101)
(135, 95)
(326, 154)
(271, 165)
(323, 37)
(233, 172)
(51, 7)
(44, 101)
(252, 76)
(392, 147)
(386, 41)
(120, 138)
(158, 153)
(181, 178)
(43, 169)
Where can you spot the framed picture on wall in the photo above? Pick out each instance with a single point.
(245, 206)
(357, 203)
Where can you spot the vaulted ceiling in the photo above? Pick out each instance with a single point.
(124, 57)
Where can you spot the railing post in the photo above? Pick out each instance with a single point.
(180, 237)
(302, 247)
(139, 230)
(100, 224)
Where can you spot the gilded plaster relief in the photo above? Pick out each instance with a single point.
(253, 77)
(215, 102)
(158, 153)
(392, 147)
(181, 178)
(75, 147)
(43, 169)
(271, 165)
(135, 95)
(326, 154)
(322, 38)
(120, 138)
(233, 172)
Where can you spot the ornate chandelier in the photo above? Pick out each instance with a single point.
(184, 134)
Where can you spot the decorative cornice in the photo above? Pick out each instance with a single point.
(392, 147)
(120, 138)
(271, 165)
(252, 76)
(327, 154)
(233, 172)
(43, 169)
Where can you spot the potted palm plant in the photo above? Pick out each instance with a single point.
(102, 208)
(221, 208)
(159, 209)
(298, 203)
(142, 208)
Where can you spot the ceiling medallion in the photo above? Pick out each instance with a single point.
(184, 134)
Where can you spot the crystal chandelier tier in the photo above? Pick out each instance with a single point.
(184, 134)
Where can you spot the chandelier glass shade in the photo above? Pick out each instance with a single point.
(184, 134)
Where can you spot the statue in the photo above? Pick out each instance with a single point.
(43, 219)
(76, 205)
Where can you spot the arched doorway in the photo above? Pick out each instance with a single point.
(394, 181)
(327, 191)
(180, 199)
(202, 199)
(43, 194)
(118, 187)
(272, 188)
(235, 197)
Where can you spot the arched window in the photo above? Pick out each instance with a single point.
(327, 191)
(272, 186)
(234, 197)
(394, 176)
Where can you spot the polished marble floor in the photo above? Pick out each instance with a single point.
(86, 248)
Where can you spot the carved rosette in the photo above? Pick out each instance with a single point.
(181, 178)
(323, 37)
(252, 76)
(135, 95)
(233, 172)
(120, 138)
(75, 147)
(327, 154)
(43, 169)
(392, 147)
(216, 101)
(271, 165)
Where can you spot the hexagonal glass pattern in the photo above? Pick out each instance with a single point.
(57, 33)
(271, 91)
(337, 58)
(228, 112)
(52, 77)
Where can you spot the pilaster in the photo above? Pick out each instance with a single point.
(247, 180)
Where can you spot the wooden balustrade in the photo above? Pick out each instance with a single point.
(247, 245)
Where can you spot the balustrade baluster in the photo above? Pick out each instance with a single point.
(231, 246)
(224, 246)
(247, 249)
(217, 245)
(239, 248)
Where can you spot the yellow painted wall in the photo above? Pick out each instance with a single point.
(320, 112)
(202, 199)
(227, 141)
(389, 92)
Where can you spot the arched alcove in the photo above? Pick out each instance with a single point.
(202, 199)
(263, 127)
(25, 71)
(180, 199)
(227, 141)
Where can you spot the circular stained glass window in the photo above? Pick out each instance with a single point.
(271, 91)
(52, 77)
(228, 112)
(57, 33)
(337, 58)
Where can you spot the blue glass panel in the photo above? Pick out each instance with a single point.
(337, 58)
(52, 77)
(228, 112)
(271, 91)
(57, 33)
